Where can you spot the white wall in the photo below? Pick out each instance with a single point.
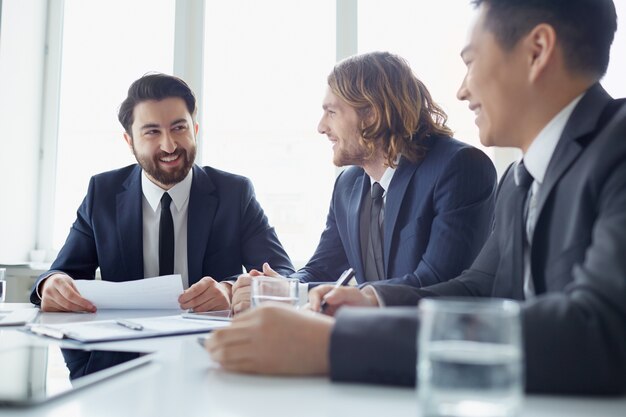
(21, 68)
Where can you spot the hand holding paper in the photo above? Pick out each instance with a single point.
(149, 293)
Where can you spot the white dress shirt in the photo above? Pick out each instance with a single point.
(151, 207)
(536, 160)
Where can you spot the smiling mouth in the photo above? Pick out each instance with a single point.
(169, 159)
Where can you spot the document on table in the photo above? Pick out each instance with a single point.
(149, 293)
(110, 330)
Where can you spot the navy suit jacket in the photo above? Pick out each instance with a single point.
(226, 229)
(438, 213)
(575, 329)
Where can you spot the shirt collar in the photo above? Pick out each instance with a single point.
(179, 192)
(541, 149)
(385, 180)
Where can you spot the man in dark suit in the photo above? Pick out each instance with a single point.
(434, 206)
(560, 228)
(213, 226)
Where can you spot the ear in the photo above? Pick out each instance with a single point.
(541, 44)
(196, 126)
(129, 142)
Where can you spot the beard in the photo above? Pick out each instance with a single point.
(349, 154)
(151, 165)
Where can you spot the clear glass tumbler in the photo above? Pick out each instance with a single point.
(470, 358)
(281, 290)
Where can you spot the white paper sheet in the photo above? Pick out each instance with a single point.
(98, 331)
(149, 293)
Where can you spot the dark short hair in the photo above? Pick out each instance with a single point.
(154, 86)
(585, 28)
(403, 113)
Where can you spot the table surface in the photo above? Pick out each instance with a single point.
(183, 381)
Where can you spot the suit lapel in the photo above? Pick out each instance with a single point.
(359, 188)
(393, 203)
(130, 225)
(583, 121)
(202, 208)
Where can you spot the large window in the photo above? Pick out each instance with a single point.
(106, 46)
(266, 64)
(263, 74)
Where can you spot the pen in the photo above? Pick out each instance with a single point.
(129, 324)
(48, 331)
(347, 275)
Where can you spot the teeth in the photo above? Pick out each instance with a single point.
(169, 158)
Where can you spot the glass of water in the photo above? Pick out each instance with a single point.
(3, 285)
(470, 358)
(281, 290)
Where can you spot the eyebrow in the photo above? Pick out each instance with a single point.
(177, 121)
(157, 126)
(149, 126)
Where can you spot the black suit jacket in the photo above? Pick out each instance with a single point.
(226, 229)
(575, 329)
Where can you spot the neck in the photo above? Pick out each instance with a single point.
(548, 103)
(375, 167)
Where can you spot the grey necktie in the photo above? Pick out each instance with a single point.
(524, 181)
(373, 259)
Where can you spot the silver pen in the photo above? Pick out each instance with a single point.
(347, 275)
(129, 324)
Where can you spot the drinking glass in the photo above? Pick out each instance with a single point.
(282, 290)
(470, 359)
(3, 285)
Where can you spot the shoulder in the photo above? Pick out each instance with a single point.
(222, 180)
(446, 148)
(117, 177)
(348, 176)
(448, 155)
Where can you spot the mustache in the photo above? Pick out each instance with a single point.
(177, 152)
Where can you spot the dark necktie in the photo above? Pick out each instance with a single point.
(166, 237)
(524, 180)
(373, 260)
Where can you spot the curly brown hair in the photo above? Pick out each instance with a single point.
(384, 91)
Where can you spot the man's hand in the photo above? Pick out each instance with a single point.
(206, 295)
(342, 296)
(241, 287)
(58, 293)
(274, 340)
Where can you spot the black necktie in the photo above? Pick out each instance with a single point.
(166, 237)
(373, 260)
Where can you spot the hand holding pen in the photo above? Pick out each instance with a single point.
(347, 275)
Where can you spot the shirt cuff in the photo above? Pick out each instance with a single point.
(379, 299)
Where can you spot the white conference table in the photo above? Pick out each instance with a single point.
(183, 381)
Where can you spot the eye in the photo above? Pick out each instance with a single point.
(179, 128)
(151, 132)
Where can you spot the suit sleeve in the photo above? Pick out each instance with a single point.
(375, 346)
(329, 259)
(259, 240)
(464, 200)
(78, 257)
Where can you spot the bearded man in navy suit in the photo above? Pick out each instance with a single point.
(216, 226)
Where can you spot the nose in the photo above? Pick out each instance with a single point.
(322, 127)
(463, 93)
(168, 144)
